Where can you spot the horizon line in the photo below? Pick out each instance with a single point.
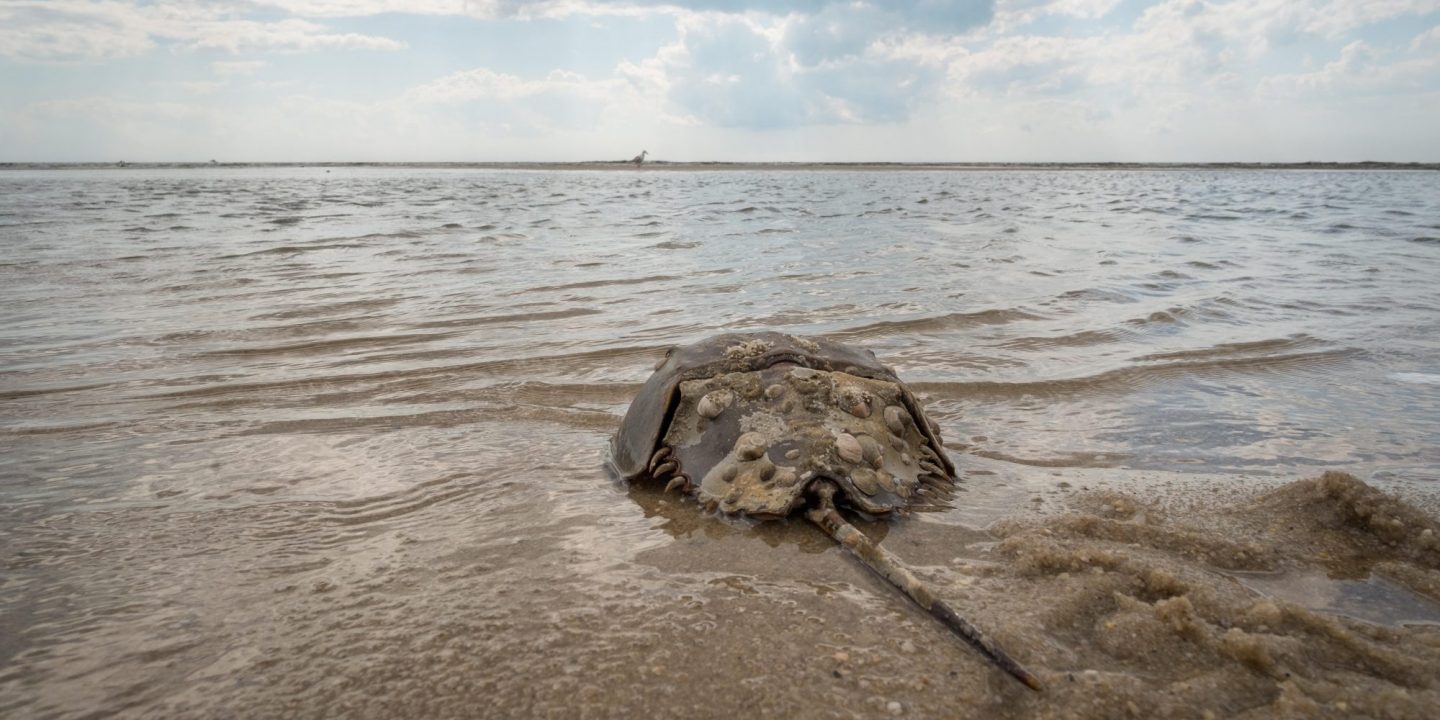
(689, 164)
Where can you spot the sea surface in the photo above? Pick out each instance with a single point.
(320, 441)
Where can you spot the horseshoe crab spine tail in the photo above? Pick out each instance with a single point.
(887, 566)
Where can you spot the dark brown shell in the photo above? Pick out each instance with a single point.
(650, 416)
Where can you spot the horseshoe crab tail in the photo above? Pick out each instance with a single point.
(889, 567)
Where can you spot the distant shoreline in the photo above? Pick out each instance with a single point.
(662, 165)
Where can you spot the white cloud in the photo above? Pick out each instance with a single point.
(94, 30)
(1012, 14)
(69, 31)
(486, 84)
(362, 8)
(236, 68)
(285, 36)
(762, 79)
(202, 87)
(1338, 17)
(1258, 21)
(1429, 37)
(1360, 71)
(105, 109)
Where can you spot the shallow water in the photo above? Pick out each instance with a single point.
(294, 439)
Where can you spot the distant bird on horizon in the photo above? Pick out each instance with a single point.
(640, 158)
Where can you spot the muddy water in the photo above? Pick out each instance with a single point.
(320, 443)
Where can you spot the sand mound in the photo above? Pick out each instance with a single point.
(1157, 616)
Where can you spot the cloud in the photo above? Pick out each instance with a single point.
(1429, 37)
(363, 8)
(285, 36)
(729, 75)
(1338, 17)
(729, 70)
(110, 110)
(500, 102)
(1360, 71)
(1011, 14)
(68, 31)
(96, 30)
(1174, 47)
(1259, 21)
(227, 69)
(931, 15)
(486, 84)
(742, 73)
(846, 78)
(202, 87)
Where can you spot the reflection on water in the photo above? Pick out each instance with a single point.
(1374, 599)
(360, 415)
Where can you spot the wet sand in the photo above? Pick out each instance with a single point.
(1122, 606)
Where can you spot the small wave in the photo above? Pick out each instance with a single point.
(212, 285)
(1072, 460)
(510, 318)
(326, 346)
(571, 417)
(1224, 350)
(401, 235)
(1178, 314)
(58, 429)
(1097, 295)
(329, 309)
(36, 392)
(1076, 339)
(1132, 378)
(599, 283)
(532, 393)
(1417, 378)
(942, 323)
(393, 505)
(565, 364)
(291, 250)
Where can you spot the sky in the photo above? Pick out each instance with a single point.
(725, 80)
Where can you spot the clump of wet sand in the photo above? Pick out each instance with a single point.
(1136, 612)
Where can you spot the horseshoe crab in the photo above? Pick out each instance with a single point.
(767, 424)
